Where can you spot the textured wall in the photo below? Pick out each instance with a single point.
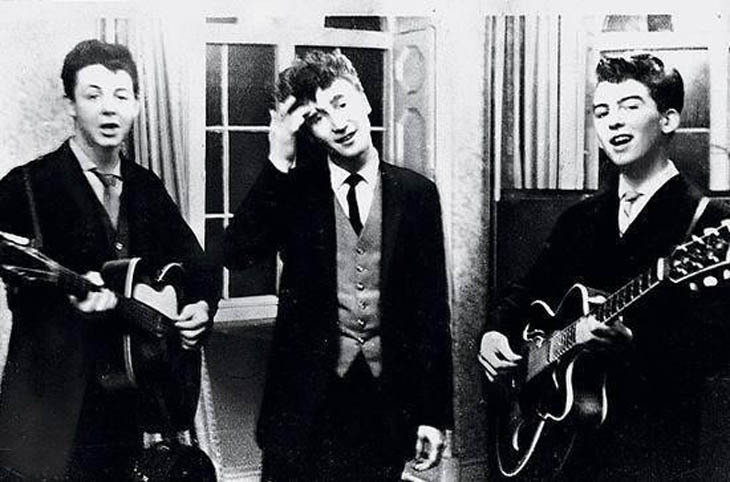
(463, 180)
(34, 42)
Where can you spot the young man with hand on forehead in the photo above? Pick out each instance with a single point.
(659, 353)
(86, 204)
(360, 367)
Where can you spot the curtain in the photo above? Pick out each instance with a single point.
(160, 140)
(535, 93)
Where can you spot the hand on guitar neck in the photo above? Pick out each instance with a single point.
(191, 322)
(498, 358)
(95, 301)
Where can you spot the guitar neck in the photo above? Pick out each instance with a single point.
(132, 311)
(563, 342)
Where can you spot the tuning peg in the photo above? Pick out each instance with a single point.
(726, 274)
(693, 286)
(710, 282)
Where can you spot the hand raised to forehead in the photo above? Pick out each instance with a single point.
(286, 120)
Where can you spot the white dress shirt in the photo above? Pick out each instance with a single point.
(364, 191)
(87, 165)
(647, 188)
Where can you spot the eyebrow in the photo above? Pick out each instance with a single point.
(336, 98)
(620, 101)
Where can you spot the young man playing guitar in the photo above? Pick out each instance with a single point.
(86, 204)
(657, 352)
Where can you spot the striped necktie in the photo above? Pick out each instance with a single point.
(625, 208)
(111, 194)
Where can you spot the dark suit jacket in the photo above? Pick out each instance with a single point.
(679, 337)
(294, 213)
(51, 354)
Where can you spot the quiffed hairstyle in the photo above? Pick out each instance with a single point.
(91, 52)
(317, 70)
(665, 84)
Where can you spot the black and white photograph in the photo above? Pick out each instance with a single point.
(374, 240)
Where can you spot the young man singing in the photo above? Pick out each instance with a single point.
(658, 354)
(86, 204)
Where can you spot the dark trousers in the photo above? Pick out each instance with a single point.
(108, 436)
(355, 436)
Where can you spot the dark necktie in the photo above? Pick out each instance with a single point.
(352, 206)
(111, 194)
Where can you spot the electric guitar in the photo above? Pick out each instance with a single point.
(558, 389)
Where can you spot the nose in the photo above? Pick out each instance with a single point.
(616, 120)
(109, 104)
(338, 121)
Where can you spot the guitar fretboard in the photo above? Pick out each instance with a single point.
(563, 341)
(133, 311)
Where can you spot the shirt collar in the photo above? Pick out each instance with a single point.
(86, 163)
(369, 172)
(651, 185)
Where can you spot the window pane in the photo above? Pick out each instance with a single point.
(213, 85)
(249, 153)
(369, 64)
(360, 22)
(213, 172)
(259, 279)
(214, 242)
(251, 74)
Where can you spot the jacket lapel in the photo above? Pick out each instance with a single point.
(393, 210)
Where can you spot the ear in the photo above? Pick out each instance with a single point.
(137, 106)
(670, 121)
(70, 107)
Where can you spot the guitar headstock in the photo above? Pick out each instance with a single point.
(22, 264)
(702, 261)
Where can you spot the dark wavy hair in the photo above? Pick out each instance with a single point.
(114, 57)
(665, 84)
(316, 70)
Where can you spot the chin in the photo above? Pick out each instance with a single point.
(110, 143)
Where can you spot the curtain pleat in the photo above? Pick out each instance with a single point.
(533, 108)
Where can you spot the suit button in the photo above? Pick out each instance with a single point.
(360, 286)
(359, 268)
(118, 246)
(361, 322)
(360, 251)
(363, 305)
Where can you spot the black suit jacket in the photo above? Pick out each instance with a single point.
(52, 353)
(294, 214)
(680, 337)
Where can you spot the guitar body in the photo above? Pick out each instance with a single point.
(146, 354)
(537, 421)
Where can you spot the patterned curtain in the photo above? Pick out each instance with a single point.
(535, 89)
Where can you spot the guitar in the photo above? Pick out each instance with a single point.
(145, 351)
(559, 388)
